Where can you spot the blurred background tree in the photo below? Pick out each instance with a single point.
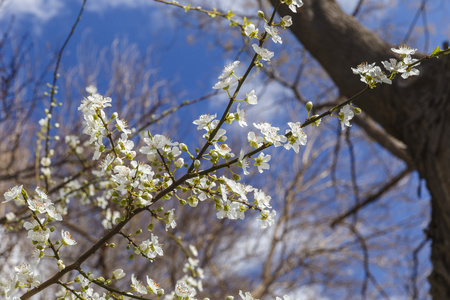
(352, 220)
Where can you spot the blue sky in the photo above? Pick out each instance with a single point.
(151, 25)
(192, 67)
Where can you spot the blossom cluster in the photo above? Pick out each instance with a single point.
(272, 31)
(38, 232)
(372, 74)
(151, 248)
(292, 139)
(139, 181)
(151, 287)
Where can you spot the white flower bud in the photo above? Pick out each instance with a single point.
(61, 265)
(179, 163)
(183, 147)
(196, 163)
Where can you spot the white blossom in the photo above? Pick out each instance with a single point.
(271, 133)
(229, 69)
(394, 65)
(240, 116)
(243, 162)
(204, 120)
(286, 21)
(274, 33)
(298, 137)
(263, 52)
(118, 274)
(267, 218)
(255, 140)
(225, 83)
(170, 219)
(295, 4)
(14, 193)
(250, 29)
(67, 239)
(262, 162)
(183, 290)
(154, 287)
(137, 285)
(246, 296)
(251, 98)
(346, 114)
(404, 50)
(409, 70)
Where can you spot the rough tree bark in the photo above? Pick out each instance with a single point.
(414, 111)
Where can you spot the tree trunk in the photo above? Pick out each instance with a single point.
(414, 111)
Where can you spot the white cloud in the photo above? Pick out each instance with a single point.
(250, 252)
(43, 10)
(39, 12)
